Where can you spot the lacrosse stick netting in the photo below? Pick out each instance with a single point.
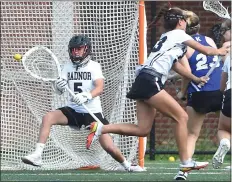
(217, 8)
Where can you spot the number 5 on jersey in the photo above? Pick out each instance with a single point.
(77, 88)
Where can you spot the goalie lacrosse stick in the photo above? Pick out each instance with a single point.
(41, 63)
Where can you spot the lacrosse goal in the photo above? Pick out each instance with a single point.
(113, 29)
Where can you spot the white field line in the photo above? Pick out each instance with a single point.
(106, 174)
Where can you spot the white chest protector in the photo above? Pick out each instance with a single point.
(82, 80)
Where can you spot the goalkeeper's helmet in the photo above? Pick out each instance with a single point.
(79, 41)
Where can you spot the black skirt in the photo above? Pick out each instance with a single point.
(145, 86)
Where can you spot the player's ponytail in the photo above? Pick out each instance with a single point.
(193, 23)
(161, 12)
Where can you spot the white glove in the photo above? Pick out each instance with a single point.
(82, 97)
(60, 84)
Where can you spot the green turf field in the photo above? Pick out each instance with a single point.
(156, 171)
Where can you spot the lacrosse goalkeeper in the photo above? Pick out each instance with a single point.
(84, 77)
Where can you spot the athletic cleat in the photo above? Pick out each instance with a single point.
(181, 176)
(95, 128)
(193, 165)
(33, 159)
(218, 157)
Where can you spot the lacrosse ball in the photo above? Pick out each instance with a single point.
(17, 57)
(171, 159)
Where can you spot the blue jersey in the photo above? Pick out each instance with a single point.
(200, 64)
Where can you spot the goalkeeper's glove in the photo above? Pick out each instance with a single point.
(59, 85)
(82, 97)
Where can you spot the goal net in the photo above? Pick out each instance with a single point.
(113, 29)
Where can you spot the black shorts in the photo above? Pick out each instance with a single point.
(79, 119)
(145, 86)
(226, 105)
(205, 101)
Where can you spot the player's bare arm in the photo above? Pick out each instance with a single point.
(224, 78)
(99, 85)
(186, 73)
(185, 81)
(206, 49)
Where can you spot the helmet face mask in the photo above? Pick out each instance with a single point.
(79, 48)
(78, 53)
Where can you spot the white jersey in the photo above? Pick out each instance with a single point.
(227, 68)
(168, 50)
(82, 80)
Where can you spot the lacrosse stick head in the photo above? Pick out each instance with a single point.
(217, 8)
(41, 63)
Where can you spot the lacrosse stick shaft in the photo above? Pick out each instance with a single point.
(211, 70)
(86, 108)
(213, 67)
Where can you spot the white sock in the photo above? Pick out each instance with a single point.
(125, 164)
(225, 141)
(39, 148)
(99, 130)
(187, 161)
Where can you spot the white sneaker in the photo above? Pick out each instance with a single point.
(181, 176)
(193, 165)
(218, 157)
(136, 168)
(33, 159)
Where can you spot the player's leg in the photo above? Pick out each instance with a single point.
(224, 135)
(198, 105)
(145, 116)
(108, 145)
(224, 131)
(51, 118)
(194, 124)
(168, 106)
